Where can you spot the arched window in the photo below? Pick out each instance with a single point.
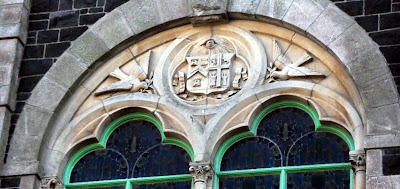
(133, 153)
(287, 148)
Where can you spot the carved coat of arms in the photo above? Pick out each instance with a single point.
(210, 71)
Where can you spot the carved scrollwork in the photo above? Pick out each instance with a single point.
(358, 161)
(51, 183)
(201, 172)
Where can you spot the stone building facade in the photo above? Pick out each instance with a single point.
(205, 70)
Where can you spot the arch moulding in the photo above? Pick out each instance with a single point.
(373, 112)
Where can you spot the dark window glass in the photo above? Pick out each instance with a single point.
(175, 185)
(251, 153)
(320, 180)
(133, 149)
(269, 181)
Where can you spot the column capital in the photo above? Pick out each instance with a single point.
(51, 183)
(201, 171)
(357, 160)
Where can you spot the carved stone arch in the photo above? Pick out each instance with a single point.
(138, 19)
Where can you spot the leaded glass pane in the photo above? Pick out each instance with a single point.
(251, 153)
(175, 185)
(320, 180)
(318, 148)
(133, 144)
(162, 160)
(257, 182)
(100, 165)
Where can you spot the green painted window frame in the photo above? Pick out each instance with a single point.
(282, 171)
(131, 181)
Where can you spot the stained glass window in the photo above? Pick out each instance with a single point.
(287, 151)
(134, 156)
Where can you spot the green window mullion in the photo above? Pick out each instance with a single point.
(128, 185)
(283, 180)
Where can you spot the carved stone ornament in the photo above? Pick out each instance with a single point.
(282, 68)
(201, 172)
(138, 80)
(358, 161)
(51, 183)
(212, 69)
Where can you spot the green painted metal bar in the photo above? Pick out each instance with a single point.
(128, 185)
(283, 180)
(134, 181)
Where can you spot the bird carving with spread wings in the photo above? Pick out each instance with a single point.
(283, 68)
(135, 81)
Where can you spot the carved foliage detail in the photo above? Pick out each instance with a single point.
(358, 162)
(201, 172)
(51, 183)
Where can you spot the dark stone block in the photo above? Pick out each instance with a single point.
(96, 10)
(41, 16)
(391, 165)
(27, 84)
(64, 19)
(352, 8)
(48, 36)
(396, 7)
(391, 53)
(389, 21)
(14, 119)
(35, 67)
(397, 80)
(66, 4)
(377, 6)
(85, 3)
(10, 182)
(70, 34)
(34, 51)
(23, 96)
(19, 107)
(44, 6)
(55, 50)
(32, 34)
(39, 25)
(31, 40)
(90, 19)
(391, 37)
(84, 11)
(101, 3)
(369, 23)
(395, 68)
(112, 4)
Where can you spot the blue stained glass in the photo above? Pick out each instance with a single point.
(162, 160)
(133, 144)
(318, 148)
(251, 153)
(320, 180)
(175, 185)
(257, 182)
(100, 165)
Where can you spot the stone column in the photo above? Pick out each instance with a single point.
(357, 160)
(202, 174)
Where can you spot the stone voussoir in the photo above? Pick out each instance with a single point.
(273, 9)
(66, 70)
(47, 94)
(112, 29)
(173, 9)
(141, 14)
(329, 25)
(383, 119)
(88, 48)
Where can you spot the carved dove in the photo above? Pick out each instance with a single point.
(289, 69)
(126, 83)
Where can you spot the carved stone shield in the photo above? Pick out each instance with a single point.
(209, 74)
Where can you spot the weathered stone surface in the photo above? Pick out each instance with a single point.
(13, 21)
(173, 9)
(374, 162)
(383, 119)
(47, 94)
(88, 48)
(30, 181)
(112, 29)
(32, 120)
(330, 24)
(302, 13)
(27, 3)
(275, 9)
(381, 91)
(379, 182)
(5, 117)
(66, 70)
(15, 167)
(381, 141)
(10, 52)
(141, 15)
(244, 6)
